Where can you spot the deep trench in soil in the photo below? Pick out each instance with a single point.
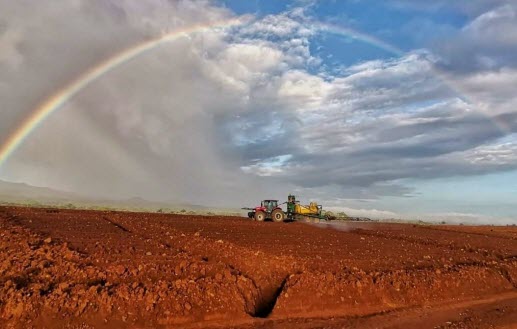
(268, 300)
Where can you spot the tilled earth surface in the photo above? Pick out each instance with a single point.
(91, 269)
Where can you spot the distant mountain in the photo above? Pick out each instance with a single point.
(17, 192)
(24, 194)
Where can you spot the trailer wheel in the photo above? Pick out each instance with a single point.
(260, 216)
(278, 215)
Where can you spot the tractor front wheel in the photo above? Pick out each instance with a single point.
(278, 215)
(260, 216)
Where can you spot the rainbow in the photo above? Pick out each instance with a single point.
(356, 35)
(55, 101)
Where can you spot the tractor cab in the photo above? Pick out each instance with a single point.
(269, 205)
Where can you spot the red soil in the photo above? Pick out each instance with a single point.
(89, 269)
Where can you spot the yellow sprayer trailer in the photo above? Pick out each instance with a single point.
(310, 213)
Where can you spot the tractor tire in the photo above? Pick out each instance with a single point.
(278, 216)
(260, 216)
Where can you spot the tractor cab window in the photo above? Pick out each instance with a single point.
(270, 204)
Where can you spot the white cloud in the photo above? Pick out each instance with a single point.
(368, 213)
(303, 90)
(242, 66)
(498, 154)
(495, 26)
(278, 26)
(464, 218)
(268, 167)
(471, 7)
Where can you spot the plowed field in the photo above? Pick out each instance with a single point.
(91, 269)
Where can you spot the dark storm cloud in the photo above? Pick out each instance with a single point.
(364, 134)
(488, 42)
(128, 132)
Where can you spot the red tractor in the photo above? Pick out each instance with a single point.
(268, 209)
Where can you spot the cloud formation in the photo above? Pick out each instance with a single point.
(486, 43)
(229, 116)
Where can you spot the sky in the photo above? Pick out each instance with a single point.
(385, 109)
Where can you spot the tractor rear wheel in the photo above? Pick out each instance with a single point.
(278, 215)
(260, 216)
